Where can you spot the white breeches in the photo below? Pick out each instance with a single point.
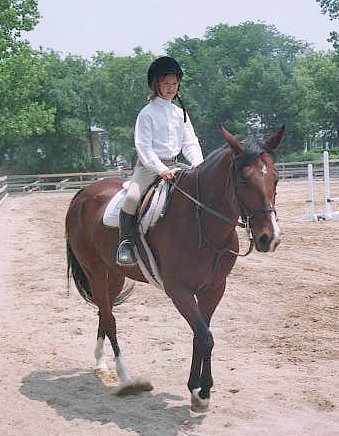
(142, 178)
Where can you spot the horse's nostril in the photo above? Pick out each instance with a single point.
(264, 242)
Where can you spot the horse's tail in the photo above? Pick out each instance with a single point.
(74, 269)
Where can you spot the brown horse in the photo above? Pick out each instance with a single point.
(195, 245)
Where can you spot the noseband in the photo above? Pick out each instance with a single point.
(248, 216)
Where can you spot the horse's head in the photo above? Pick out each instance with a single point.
(255, 181)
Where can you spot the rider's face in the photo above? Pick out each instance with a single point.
(168, 86)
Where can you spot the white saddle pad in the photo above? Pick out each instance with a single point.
(111, 214)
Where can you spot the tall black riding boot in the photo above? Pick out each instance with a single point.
(127, 232)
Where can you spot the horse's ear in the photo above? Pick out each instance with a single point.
(274, 140)
(234, 143)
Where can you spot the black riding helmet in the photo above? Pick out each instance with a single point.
(162, 66)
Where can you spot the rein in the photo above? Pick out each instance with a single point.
(207, 208)
(246, 215)
(245, 224)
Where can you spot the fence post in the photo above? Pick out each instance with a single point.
(3, 188)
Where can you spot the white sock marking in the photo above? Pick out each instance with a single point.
(99, 354)
(122, 369)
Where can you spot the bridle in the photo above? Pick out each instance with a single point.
(245, 214)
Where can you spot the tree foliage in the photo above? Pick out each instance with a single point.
(331, 8)
(64, 91)
(238, 75)
(317, 84)
(23, 114)
(117, 90)
(250, 77)
(16, 16)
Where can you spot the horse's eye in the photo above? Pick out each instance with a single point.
(241, 180)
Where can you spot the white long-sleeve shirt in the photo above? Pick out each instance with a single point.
(161, 134)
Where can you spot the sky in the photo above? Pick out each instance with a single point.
(83, 27)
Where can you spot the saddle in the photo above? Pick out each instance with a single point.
(151, 208)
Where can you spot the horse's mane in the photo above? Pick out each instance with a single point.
(252, 149)
(215, 155)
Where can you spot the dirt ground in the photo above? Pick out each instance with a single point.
(275, 362)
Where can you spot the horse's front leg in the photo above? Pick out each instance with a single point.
(208, 299)
(200, 381)
(202, 349)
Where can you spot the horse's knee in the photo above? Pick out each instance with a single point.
(204, 342)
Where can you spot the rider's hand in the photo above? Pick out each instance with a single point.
(167, 175)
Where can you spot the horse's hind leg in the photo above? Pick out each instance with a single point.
(105, 288)
(99, 351)
(112, 287)
(115, 283)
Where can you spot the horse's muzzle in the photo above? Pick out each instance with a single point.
(267, 243)
(268, 239)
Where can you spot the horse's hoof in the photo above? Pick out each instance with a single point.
(133, 387)
(198, 404)
(101, 372)
(101, 369)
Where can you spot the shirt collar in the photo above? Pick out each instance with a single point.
(162, 101)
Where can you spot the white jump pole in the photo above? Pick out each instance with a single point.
(3, 188)
(310, 215)
(328, 214)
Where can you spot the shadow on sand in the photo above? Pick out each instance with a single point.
(82, 395)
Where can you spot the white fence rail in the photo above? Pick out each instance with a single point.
(289, 170)
(75, 181)
(57, 182)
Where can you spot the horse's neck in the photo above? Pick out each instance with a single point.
(216, 184)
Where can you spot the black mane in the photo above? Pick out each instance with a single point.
(253, 148)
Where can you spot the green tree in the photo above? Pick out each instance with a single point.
(238, 75)
(331, 7)
(23, 114)
(317, 87)
(117, 90)
(16, 16)
(64, 91)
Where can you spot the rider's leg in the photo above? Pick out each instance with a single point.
(141, 179)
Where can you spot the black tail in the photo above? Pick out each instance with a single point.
(74, 269)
